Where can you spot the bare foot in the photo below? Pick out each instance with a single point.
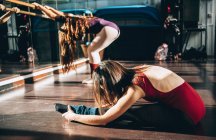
(88, 81)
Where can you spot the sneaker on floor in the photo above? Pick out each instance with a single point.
(88, 81)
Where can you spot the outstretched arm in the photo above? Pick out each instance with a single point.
(51, 12)
(59, 13)
(8, 14)
(123, 104)
(45, 11)
(5, 17)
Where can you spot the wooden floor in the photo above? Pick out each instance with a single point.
(27, 113)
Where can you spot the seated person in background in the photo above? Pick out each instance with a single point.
(116, 88)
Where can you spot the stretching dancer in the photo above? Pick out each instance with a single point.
(8, 14)
(77, 27)
(118, 88)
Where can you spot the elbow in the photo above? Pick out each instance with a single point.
(53, 17)
(103, 121)
(99, 123)
(103, 124)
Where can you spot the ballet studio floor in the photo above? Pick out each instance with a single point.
(27, 113)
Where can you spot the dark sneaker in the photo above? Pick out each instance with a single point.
(60, 108)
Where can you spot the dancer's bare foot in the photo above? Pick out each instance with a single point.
(88, 81)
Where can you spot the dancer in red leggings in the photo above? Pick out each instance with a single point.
(118, 88)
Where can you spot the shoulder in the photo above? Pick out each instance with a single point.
(135, 91)
(157, 72)
(163, 79)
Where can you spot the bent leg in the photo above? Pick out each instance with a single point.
(157, 115)
(102, 40)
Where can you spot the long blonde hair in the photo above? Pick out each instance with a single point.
(73, 29)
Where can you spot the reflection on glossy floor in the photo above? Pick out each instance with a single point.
(28, 112)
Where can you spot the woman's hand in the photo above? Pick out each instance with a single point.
(2, 7)
(16, 10)
(37, 5)
(48, 7)
(69, 115)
